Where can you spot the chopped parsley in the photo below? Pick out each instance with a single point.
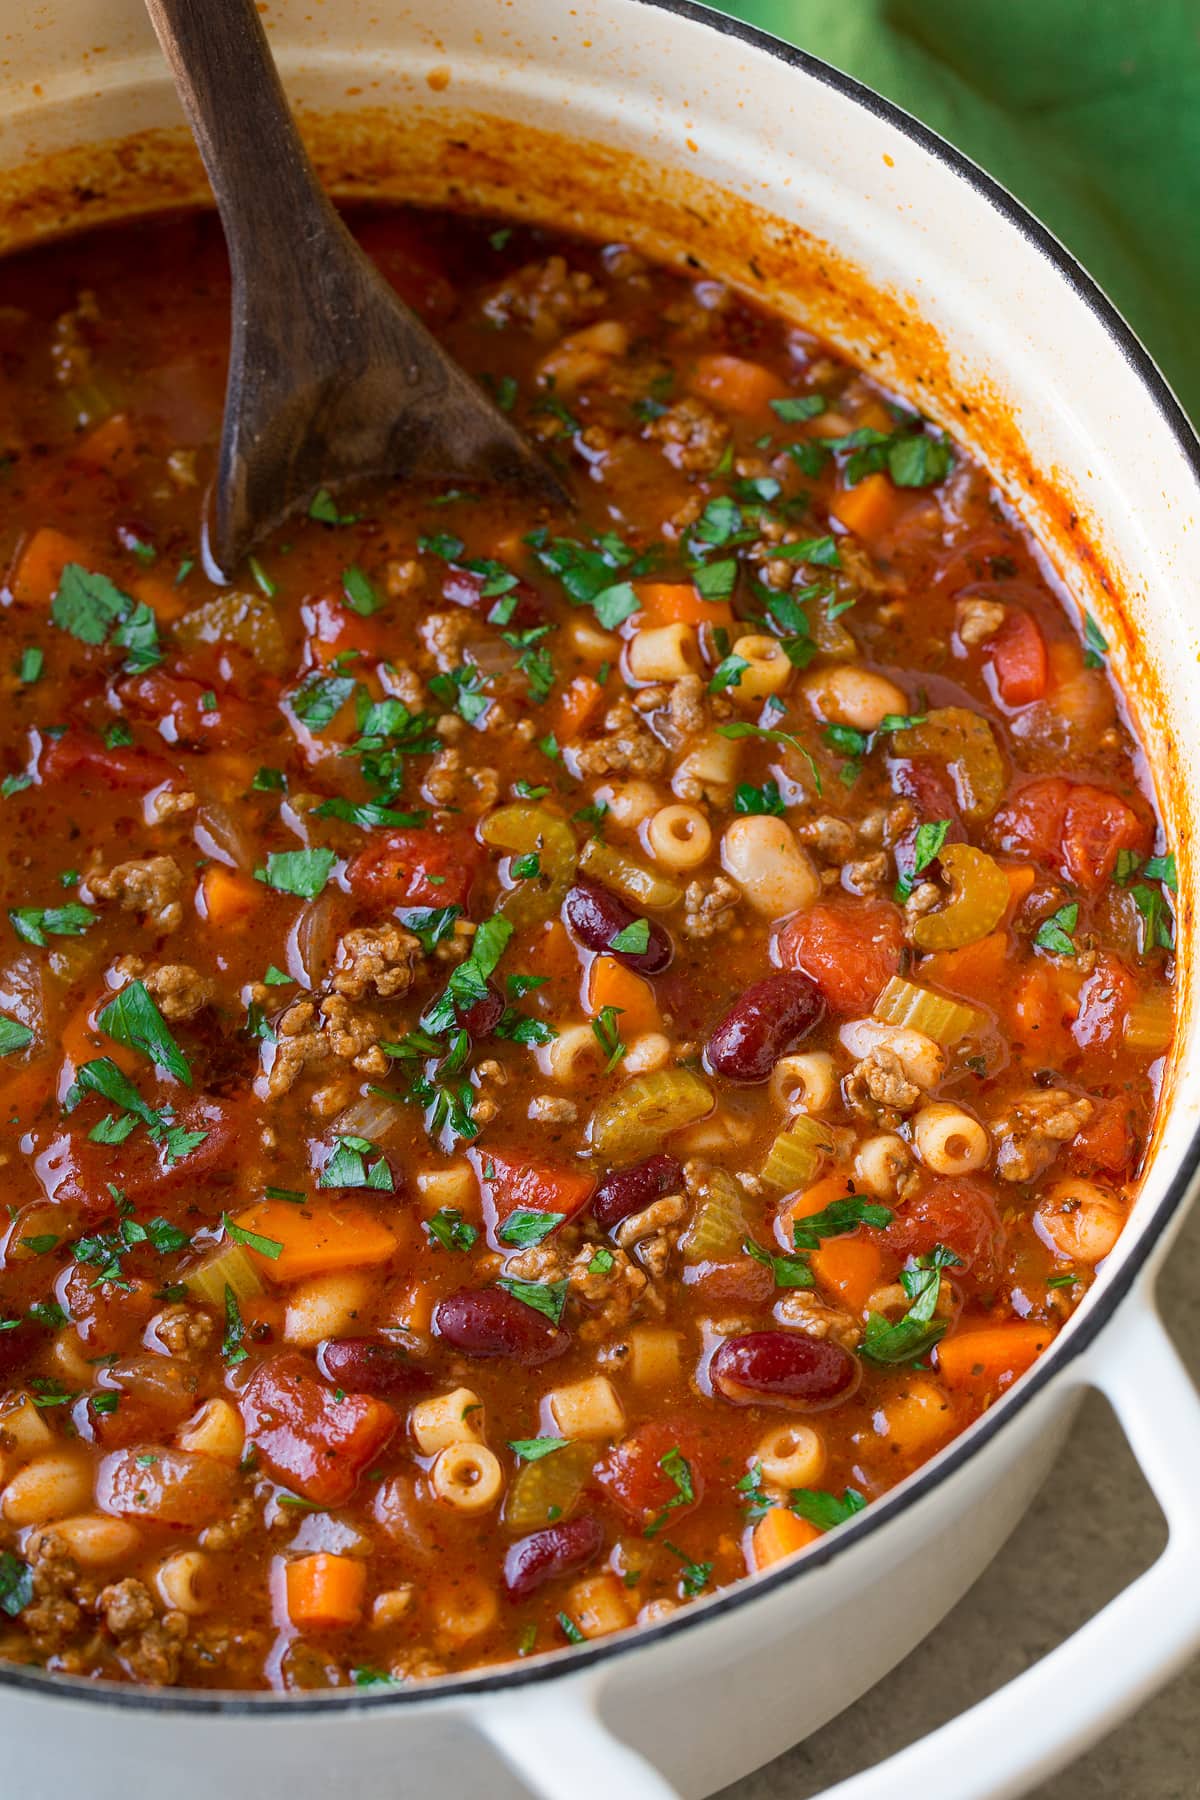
(348, 1167)
(695, 1575)
(91, 608)
(13, 1035)
(918, 1331)
(1095, 644)
(525, 1226)
(133, 1019)
(319, 698)
(32, 923)
(825, 1510)
(799, 407)
(632, 939)
(607, 1034)
(765, 799)
(927, 845)
(271, 1248)
(533, 1449)
(324, 509)
(16, 1583)
(591, 573)
(678, 1471)
(300, 872)
(448, 1228)
(742, 728)
(788, 1271)
(838, 1217)
(545, 1297)
(1054, 933)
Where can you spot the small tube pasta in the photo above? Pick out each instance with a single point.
(467, 1477)
(663, 653)
(804, 1083)
(679, 837)
(768, 670)
(587, 1409)
(792, 1456)
(949, 1141)
(445, 1419)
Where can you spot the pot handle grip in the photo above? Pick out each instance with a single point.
(1023, 1733)
(557, 1742)
(1038, 1722)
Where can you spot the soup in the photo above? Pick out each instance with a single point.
(548, 1060)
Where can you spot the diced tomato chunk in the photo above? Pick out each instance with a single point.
(850, 948)
(421, 867)
(1041, 1008)
(1105, 1145)
(633, 1476)
(1098, 826)
(1017, 654)
(332, 627)
(77, 1172)
(1105, 998)
(81, 757)
(1032, 821)
(314, 1438)
(188, 712)
(109, 1316)
(1073, 827)
(958, 1213)
(511, 1183)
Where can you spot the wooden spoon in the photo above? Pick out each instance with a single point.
(331, 377)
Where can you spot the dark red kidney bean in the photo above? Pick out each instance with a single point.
(769, 1019)
(481, 1018)
(543, 1555)
(364, 1365)
(782, 1368)
(596, 915)
(492, 1322)
(627, 1191)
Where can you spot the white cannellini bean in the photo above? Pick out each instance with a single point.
(1079, 1220)
(52, 1486)
(771, 867)
(94, 1540)
(856, 697)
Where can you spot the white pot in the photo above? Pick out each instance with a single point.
(680, 130)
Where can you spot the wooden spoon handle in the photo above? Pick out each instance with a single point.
(332, 378)
(259, 169)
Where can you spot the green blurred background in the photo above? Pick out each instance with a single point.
(1088, 110)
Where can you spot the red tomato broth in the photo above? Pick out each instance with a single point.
(303, 1018)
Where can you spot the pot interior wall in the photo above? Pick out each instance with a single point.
(639, 124)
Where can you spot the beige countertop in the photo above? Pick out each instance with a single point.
(1090, 1531)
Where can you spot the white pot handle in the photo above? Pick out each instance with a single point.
(556, 1741)
(1023, 1733)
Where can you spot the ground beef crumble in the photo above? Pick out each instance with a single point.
(151, 886)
